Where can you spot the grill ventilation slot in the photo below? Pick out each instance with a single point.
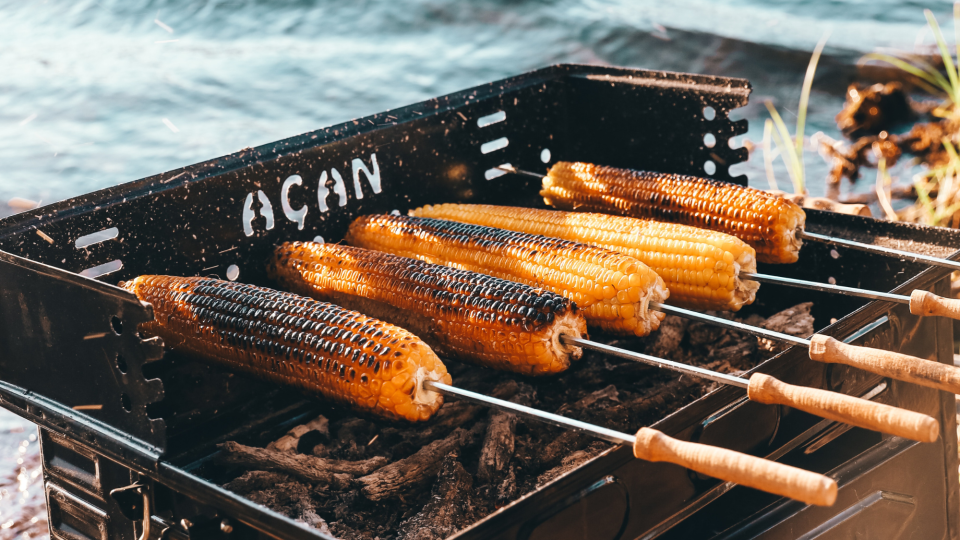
(494, 145)
(489, 119)
(490, 174)
(97, 237)
(102, 269)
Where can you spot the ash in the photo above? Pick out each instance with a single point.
(362, 478)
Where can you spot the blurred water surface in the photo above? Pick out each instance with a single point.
(100, 92)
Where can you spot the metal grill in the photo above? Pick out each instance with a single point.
(70, 341)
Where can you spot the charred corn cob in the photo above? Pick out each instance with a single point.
(770, 224)
(612, 290)
(319, 348)
(475, 317)
(700, 268)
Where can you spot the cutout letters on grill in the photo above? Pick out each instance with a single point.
(329, 183)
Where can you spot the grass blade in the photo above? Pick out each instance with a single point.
(933, 78)
(805, 93)
(782, 138)
(956, 29)
(923, 196)
(945, 53)
(768, 154)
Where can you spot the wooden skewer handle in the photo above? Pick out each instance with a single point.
(897, 366)
(925, 303)
(843, 408)
(730, 466)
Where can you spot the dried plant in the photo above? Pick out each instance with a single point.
(883, 193)
(926, 75)
(938, 193)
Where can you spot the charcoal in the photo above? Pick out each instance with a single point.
(389, 480)
(356, 430)
(310, 440)
(571, 462)
(665, 343)
(307, 468)
(402, 477)
(293, 500)
(736, 352)
(343, 531)
(566, 443)
(498, 443)
(796, 321)
(450, 417)
(351, 440)
(497, 446)
(450, 508)
(702, 334)
(290, 442)
(508, 489)
(255, 481)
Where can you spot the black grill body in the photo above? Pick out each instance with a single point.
(117, 411)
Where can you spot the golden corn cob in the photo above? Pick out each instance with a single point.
(700, 268)
(475, 317)
(319, 348)
(771, 224)
(612, 290)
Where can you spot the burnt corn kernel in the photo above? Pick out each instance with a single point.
(769, 223)
(612, 290)
(292, 340)
(469, 316)
(701, 268)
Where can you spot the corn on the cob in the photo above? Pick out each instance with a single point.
(770, 224)
(612, 290)
(475, 317)
(319, 348)
(700, 268)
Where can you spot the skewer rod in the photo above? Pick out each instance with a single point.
(913, 257)
(652, 445)
(766, 389)
(514, 170)
(733, 325)
(528, 412)
(825, 287)
(722, 378)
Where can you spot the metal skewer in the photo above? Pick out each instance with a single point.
(652, 445)
(610, 435)
(920, 302)
(687, 369)
(732, 325)
(824, 403)
(827, 349)
(912, 257)
(825, 287)
(514, 170)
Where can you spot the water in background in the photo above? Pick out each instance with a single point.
(100, 92)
